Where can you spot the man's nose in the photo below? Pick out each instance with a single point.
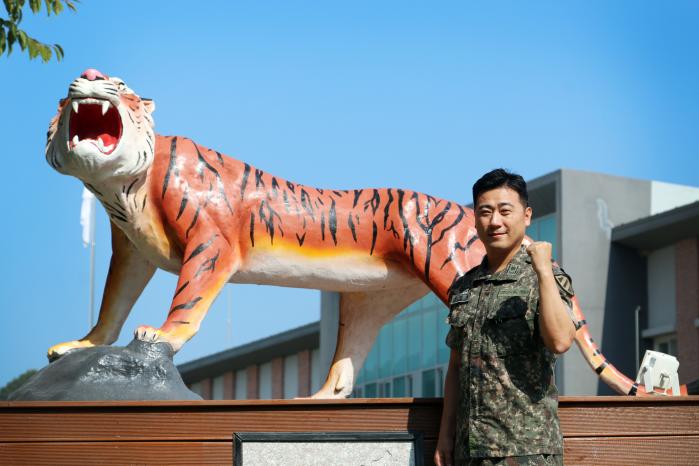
(496, 219)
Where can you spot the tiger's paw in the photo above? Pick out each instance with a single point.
(155, 335)
(56, 351)
(339, 383)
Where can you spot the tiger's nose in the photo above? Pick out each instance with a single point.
(92, 74)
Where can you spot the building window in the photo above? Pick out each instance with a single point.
(241, 385)
(666, 344)
(217, 388)
(315, 371)
(196, 388)
(265, 378)
(544, 229)
(291, 376)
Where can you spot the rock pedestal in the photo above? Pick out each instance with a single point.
(139, 371)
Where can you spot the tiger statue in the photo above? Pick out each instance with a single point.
(211, 219)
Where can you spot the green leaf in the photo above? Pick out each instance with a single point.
(3, 40)
(45, 53)
(10, 39)
(58, 50)
(33, 50)
(35, 5)
(22, 38)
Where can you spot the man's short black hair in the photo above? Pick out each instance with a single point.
(498, 178)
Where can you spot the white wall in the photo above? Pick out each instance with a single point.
(666, 196)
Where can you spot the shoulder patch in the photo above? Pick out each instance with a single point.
(565, 283)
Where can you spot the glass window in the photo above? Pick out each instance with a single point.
(370, 390)
(428, 383)
(317, 378)
(399, 387)
(241, 385)
(385, 390)
(196, 388)
(291, 376)
(400, 341)
(414, 341)
(443, 351)
(544, 229)
(371, 366)
(265, 378)
(429, 338)
(666, 344)
(217, 388)
(386, 350)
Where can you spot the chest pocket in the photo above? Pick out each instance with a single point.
(460, 308)
(512, 325)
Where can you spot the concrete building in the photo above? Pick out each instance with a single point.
(631, 247)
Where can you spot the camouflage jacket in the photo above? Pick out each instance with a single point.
(508, 402)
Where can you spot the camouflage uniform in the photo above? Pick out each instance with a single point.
(508, 402)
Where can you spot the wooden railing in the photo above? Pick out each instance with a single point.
(597, 430)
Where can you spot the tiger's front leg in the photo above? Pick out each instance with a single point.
(129, 272)
(208, 263)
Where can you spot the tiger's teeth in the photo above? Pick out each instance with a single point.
(76, 140)
(108, 148)
(105, 106)
(76, 104)
(100, 144)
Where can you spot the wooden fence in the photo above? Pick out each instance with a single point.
(597, 430)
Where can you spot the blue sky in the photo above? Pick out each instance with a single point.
(422, 95)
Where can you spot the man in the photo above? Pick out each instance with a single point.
(509, 317)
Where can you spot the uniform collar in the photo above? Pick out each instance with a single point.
(512, 271)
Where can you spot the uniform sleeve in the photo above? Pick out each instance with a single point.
(565, 289)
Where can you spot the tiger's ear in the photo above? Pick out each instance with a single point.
(148, 104)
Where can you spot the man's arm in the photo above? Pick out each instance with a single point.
(444, 455)
(556, 327)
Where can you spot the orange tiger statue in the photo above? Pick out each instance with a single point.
(211, 219)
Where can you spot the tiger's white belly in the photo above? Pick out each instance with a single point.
(341, 272)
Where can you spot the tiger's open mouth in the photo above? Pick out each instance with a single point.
(96, 121)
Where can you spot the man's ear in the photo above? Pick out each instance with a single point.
(528, 216)
(148, 104)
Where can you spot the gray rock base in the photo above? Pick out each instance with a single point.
(139, 371)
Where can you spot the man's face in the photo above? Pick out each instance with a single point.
(501, 219)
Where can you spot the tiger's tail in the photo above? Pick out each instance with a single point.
(606, 371)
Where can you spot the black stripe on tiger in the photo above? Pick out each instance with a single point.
(188, 305)
(332, 222)
(208, 265)
(171, 166)
(179, 290)
(601, 367)
(199, 249)
(183, 204)
(374, 231)
(350, 223)
(194, 221)
(219, 181)
(244, 181)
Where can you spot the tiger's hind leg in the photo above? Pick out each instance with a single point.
(362, 314)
